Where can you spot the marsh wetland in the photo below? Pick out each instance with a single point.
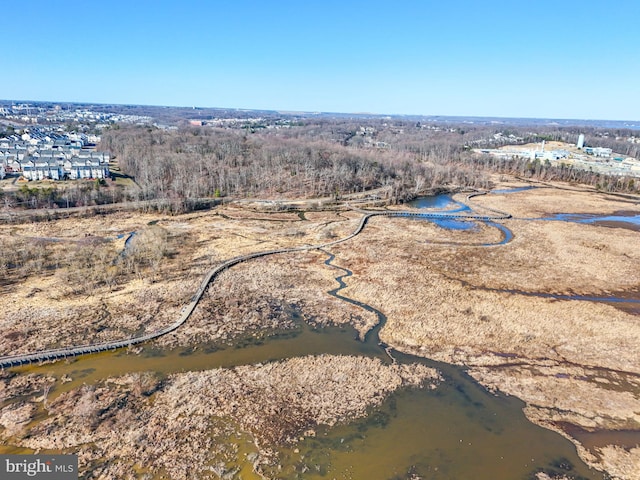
(405, 352)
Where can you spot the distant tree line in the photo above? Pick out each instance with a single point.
(319, 158)
(312, 161)
(544, 171)
(324, 158)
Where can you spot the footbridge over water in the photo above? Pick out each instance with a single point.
(187, 311)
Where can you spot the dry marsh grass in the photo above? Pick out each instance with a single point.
(460, 304)
(190, 422)
(68, 282)
(445, 296)
(543, 201)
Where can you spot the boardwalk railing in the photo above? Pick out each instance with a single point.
(187, 311)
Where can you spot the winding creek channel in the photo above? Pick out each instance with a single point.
(457, 431)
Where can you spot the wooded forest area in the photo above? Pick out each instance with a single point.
(201, 162)
(327, 158)
(320, 157)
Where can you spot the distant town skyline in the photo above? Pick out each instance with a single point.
(562, 59)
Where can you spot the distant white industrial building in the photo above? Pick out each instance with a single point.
(523, 153)
(580, 143)
(598, 151)
(595, 159)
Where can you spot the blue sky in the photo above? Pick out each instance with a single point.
(534, 58)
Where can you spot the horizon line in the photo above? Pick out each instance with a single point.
(321, 112)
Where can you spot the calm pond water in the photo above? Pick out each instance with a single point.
(633, 219)
(446, 204)
(457, 431)
(440, 202)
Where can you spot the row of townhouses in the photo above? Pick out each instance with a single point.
(39, 115)
(57, 157)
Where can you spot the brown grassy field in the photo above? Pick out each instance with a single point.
(73, 287)
(573, 362)
(196, 424)
(446, 297)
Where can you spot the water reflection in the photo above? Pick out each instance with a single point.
(439, 202)
(444, 201)
(451, 224)
(593, 218)
(456, 431)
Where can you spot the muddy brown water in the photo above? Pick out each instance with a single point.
(626, 439)
(456, 431)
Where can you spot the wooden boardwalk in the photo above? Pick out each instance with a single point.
(187, 311)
